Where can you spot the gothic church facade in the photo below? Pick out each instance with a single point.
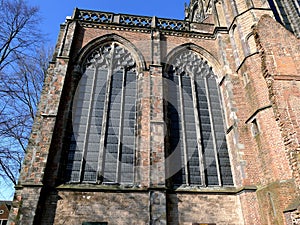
(147, 120)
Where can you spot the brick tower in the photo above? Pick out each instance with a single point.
(146, 120)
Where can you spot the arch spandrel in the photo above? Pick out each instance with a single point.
(205, 56)
(93, 47)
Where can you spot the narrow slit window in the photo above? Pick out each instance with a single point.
(254, 127)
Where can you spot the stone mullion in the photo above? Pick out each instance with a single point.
(120, 136)
(213, 131)
(135, 132)
(100, 169)
(198, 131)
(87, 128)
(185, 150)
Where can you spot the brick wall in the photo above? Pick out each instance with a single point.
(283, 85)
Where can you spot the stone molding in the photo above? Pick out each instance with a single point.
(144, 24)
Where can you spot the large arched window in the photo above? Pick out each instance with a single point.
(102, 148)
(196, 151)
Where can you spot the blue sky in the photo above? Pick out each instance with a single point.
(54, 12)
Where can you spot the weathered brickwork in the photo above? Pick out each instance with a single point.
(114, 208)
(273, 198)
(249, 201)
(24, 205)
(282, 79)
(203, 208)
(143, 153)
(157, 127)
(256, 63)
(158, 201)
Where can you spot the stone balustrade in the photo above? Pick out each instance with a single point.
(130, 20)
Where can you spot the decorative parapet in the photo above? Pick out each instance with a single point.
(93, 16)
(98, 17)
(130, 20)
(168, 24)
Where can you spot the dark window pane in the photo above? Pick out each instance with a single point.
(89, 103)
(209, 111)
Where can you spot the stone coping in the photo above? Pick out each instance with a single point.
(123, 188)
(109, 20)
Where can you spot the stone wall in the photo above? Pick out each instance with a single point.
(77, 207)
(195, 208)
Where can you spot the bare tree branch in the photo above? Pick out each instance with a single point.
(22, 71)
(19, 30)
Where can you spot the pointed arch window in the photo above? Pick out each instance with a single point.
(196, 141)
(102, 148)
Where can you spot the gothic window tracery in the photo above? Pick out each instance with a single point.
(196, 142)
(197, 11)
(102, 148)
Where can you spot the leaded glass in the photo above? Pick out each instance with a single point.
(102, 146)
(193, 99)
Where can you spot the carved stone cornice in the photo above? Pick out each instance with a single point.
(98, 17)
(143, 24)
